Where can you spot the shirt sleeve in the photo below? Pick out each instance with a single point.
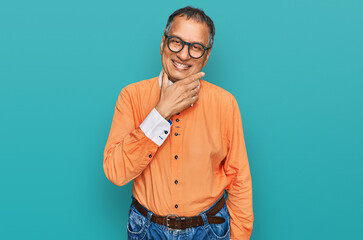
(156, 127)
(129, 149)
(239, 201)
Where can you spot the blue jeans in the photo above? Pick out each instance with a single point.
(140, 227)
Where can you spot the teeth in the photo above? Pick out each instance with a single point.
(181, 65)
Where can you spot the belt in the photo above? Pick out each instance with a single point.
(175, 222)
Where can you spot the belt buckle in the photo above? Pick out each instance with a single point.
(168, 218)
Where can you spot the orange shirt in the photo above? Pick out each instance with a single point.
(203, 155)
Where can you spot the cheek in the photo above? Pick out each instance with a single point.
(198, 65)
(166, 55)
(165, 58)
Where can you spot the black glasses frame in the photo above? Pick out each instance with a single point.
(186, 43)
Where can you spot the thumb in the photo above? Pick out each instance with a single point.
(165, 81)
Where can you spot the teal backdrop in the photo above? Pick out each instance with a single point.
(295, 68)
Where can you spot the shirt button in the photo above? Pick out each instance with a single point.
(150, 156)
(176, 134)
(176, 156)
(166, 132)
(176, 181)
(176, 206)
(177, 120)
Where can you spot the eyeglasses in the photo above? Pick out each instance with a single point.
(195, 50)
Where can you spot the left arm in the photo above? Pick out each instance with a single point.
(239, 202)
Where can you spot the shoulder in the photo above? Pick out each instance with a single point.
(141, 85)
(217, 93)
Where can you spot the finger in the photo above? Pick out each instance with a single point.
(192, 85)
(193, 99)
(165, 80)
(193, 77)
(195, 91)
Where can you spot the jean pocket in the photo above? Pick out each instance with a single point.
(136, 226)
(221, 230)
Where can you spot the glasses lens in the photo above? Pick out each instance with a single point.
(196, 50)
(175, 44)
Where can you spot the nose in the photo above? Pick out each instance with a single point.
(184, 54)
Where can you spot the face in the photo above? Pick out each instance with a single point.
(189, 31)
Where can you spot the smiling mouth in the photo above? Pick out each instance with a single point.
(180, 66)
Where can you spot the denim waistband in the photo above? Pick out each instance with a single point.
(203, 212)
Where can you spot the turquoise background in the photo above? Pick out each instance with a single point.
(295, 68)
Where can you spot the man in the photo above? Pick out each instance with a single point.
(180, 139)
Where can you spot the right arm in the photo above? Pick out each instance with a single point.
(128, 151)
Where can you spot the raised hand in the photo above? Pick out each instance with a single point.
(178, 96)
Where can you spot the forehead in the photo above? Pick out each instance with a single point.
(190, 30)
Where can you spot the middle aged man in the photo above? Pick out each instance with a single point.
(181, 140)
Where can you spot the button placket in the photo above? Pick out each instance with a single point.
(176, 158)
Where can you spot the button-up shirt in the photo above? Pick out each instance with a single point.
(181, 166)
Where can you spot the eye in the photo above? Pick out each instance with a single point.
(175, 41)
(197, 47)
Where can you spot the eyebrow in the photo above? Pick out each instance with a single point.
(185, 41)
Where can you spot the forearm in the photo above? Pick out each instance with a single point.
(126, 159)
(239, 204)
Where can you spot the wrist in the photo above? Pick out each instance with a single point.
(163, 113)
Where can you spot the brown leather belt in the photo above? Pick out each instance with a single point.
(176, 222)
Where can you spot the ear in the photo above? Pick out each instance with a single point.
(207, 57)
(162, 45)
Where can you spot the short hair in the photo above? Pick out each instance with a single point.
(197, 15)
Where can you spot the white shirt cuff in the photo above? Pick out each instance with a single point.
(156, 127)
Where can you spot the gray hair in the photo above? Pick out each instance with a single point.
(197, 15)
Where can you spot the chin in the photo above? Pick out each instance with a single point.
(178, 77)
(175, 75)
